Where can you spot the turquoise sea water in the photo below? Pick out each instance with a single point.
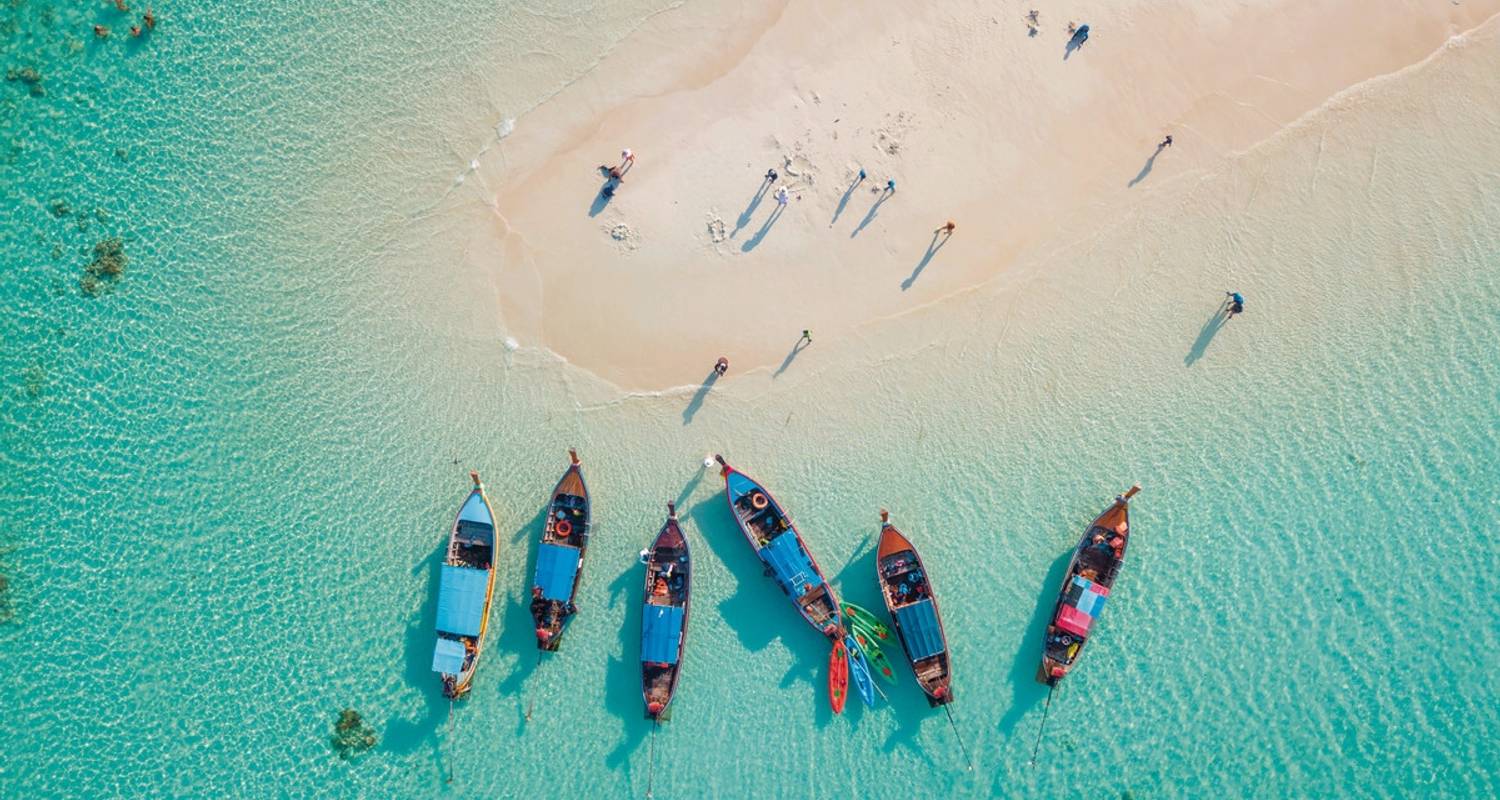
(225, 483)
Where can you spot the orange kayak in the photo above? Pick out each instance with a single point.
(838, 677)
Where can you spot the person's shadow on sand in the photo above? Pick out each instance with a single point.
(870, 215)
(699, 396)
(787, 362)
(844, 201)
(1146, 169)
(755, 240)
(1076, 42)
(749, 212)
(939, 238)
(1206, 335)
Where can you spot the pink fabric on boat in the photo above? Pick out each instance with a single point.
(1072, 620)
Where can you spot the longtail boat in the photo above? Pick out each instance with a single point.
(466, 586)
(776, 541)
(907, 589)
(559, 561)
(1091, 575)
(669, 572)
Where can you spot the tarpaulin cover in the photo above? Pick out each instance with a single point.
(556, 564)
(448, 657)
(461, 595)
(790, 564)
(1081, 605)
(920, 629)
(661, 628)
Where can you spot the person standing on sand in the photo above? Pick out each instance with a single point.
(947, 228)
(721, 366)
(626, 157)
(1165, 143)
(782, 195)
(890, 185)
(1234, 303)
(806, 337)
(861, 175)
(771, 176)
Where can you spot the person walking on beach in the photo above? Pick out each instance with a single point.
(771, 176)
(890, 185)
(806, 337)
(947, 228)
(626, 157)
(1234, 304)
(1165, 143)
(721, 366)
(861, 175)
(782, 195)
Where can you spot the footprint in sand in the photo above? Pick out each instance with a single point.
(624, 236)
(716, 230)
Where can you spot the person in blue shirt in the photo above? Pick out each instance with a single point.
(1235, 304)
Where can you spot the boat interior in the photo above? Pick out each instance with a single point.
(766, 521)
(472, 545)
(903, 578)
(818, 604)
(571, 509)
(666, 576)
(1097, 561)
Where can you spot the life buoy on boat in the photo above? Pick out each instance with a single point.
(759, 501)
(564, 527)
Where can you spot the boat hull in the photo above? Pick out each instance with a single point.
(560, 557)
(667, 605)
(766, 528)
(1092, 566)
(896, 560)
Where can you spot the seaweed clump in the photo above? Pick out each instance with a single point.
(105, 270)
(352, 735)
(28, 76)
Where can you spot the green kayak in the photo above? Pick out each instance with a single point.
(861, 618)
(876, 656)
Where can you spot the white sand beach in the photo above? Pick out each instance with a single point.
(1021, 140)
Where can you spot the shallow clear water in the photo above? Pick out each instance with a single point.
(225, 483)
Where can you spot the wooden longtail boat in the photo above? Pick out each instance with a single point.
(776, 541)
(559, 561)
(1091, 575)
(465, 588)
(907, 589)
(664, 619)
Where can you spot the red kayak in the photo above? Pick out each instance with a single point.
(838, 677)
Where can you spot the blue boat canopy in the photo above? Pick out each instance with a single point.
(661, 630)
(790, 564)
(920, 629)
(461, 596)
(556, 564)
(448, 656)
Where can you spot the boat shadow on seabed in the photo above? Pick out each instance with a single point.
(403, 735)
(758, 611)
(622, 683)
(1029, 692)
